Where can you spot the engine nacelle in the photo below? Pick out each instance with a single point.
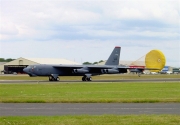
(123, 70)
(109, 71)
(136, 70)
(80, 71)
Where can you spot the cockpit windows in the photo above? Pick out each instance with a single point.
(31, 67)
(28, 66)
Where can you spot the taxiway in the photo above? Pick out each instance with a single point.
(52, 109)
(119, 80)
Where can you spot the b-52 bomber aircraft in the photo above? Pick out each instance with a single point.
(54, 71)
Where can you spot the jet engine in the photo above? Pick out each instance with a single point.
(80, 71)
(122, 70)
(136, 70)
(110, 71)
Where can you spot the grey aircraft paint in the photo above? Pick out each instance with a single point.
(114, 57)
(53, 71)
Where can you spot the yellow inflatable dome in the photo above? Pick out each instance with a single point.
(155, 59)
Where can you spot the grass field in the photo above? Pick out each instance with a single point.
(86, 92)
(91, 92)
(93, 120)
(101, 77)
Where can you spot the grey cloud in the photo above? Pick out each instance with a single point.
(105, 23)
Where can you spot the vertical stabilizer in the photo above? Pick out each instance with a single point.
(114, 57)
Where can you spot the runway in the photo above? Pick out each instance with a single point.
(119, 80)
(53, 109)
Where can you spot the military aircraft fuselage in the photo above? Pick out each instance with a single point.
(77, 70)
(53, 71)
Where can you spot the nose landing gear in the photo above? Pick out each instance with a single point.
(54, 77)
(86, 78)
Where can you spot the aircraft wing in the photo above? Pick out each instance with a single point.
(91, 66)
(101, 67)
(92, 69)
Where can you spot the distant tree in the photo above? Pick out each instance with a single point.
(2, 60)
(87, 63)
(95, 63)
(6, 60)
(101, 61)
(9, 60)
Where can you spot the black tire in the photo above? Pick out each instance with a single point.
(89, 79)
(57, 79)
(50, 78)
(83, 78)
(53, 79)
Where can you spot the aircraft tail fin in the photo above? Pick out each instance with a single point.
(114, 57)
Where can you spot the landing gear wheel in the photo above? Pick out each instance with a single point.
(53, 79)
(50, 78)
(83, 78)
(57, 79)
(89, 79)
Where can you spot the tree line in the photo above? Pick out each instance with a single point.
(94, 63)
(6, 60)
(85, 63)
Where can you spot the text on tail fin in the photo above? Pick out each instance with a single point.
(114, 57)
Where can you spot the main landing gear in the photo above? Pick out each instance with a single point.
(85, 78)
(54, 77)
(51, 78)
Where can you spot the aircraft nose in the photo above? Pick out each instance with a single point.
(25, 70)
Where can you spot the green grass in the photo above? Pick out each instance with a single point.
(93, 120)
(101, 77)
(86, 92)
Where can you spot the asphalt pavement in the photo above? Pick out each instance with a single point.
(54, 109)
(76, 81)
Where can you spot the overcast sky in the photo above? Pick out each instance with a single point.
(88, 30)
